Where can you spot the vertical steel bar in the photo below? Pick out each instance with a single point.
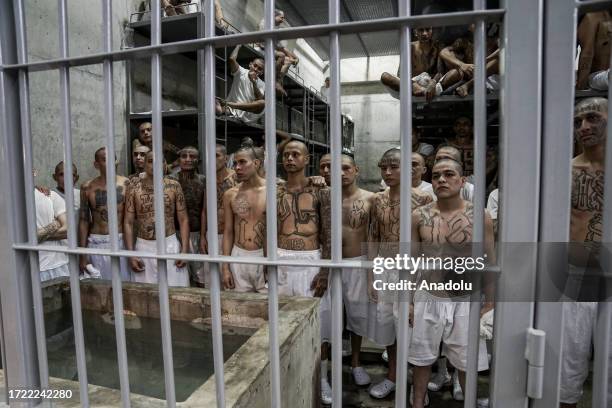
(405, 297)
(520, 100)
(113, 227)
(478, 236)
(211, 202)
(601, 360)
(26, 136)
(21, 299)
(75, 289)
(335, 140)
(271, 215)
(158, 182)
(557, 148)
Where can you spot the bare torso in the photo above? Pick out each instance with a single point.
(249, 209)
(586, 222)
(193, 186)
(94, 206)
(424, 60)
(355, 221)
(299, 221)
(601, 57)
(222, 186)
(141, 203)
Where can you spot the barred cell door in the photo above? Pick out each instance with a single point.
(536, 144)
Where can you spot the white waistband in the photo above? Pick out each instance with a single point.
(299, 254)
(242, 251)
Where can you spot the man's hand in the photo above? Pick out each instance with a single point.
(319, 284)
(203, 246)
(430, 93)
(466, 70)
(180, 263)
(83, 261)
(45, 190)
(228, 278)
(317, 181)
(137, 264)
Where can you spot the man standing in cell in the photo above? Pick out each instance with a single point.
(439, 316)
(140, 207)
(193, 185)
(586, 227)
(226, 179)
(356, 207)
(383, 240)
(93, 223)
(244, 209)
(51, 229)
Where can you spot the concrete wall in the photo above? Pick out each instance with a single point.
(375, 112)
(85, 30)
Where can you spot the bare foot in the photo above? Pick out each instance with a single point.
(218, 106)
(462, 91)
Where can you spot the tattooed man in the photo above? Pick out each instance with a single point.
(356, 205)
(93, 223)
(226, 179)
(193, 185)
(383, 238)
(140, 206)
(244, 209)
(586, 226)
(439, 226)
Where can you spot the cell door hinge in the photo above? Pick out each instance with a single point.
(534, 353)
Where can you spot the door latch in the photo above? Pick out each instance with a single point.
(534, 353)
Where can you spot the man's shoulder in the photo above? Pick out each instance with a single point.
(365, 195)
(171, 182)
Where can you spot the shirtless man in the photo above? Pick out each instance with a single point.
(458, 59)
(594, 39)
(586, 226)
(356, 206)
(138, 160)
(424, 53)
(193, 185)
(93, 223)
(418, 170)
(244, 209)
(140, 207)
(464, 142)
(440, 225)
(226, 179)
(383, 238)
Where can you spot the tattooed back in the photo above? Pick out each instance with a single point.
(193, 186)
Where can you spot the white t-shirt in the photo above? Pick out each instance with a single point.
(77, 202)
(493, 203)
(426, 188)
(242, 91)
(47, 209)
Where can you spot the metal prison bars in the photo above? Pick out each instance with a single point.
(521, 98)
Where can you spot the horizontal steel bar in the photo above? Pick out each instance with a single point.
(589, 6)
(323, 263)
(353, 27)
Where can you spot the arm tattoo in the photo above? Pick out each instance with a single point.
(84, 209)
(46, 232)
(325, 229)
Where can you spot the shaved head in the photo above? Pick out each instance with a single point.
(327, 156)
(142, 149)
(596, 104)
(189, 148)
(298, 144)
(455, 164)
(449, 152)
(419, 157)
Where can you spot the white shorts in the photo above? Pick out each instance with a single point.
(355, 298)
(248, 277)
(176, 276)
(203, 274)
(599, 80)
(381, 321)
(103, 263)
(296, 280)
(49, 274)
(442, 320)
(579, 325)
